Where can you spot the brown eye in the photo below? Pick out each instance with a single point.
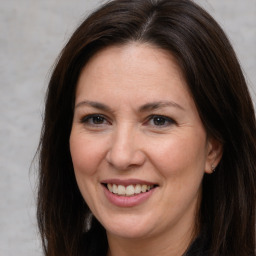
(94, 120)
(98, 119)
(160, 121)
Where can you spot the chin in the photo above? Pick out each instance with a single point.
(130, 228)
(129, 233)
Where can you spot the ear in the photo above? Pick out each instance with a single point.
(214, 155)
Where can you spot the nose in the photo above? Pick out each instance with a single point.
(125, 151)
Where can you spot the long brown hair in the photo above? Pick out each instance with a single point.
(216, 83)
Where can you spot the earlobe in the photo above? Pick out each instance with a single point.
(214, 155)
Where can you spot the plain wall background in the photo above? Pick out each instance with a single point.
(32, 33)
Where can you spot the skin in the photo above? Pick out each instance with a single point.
(171, 150)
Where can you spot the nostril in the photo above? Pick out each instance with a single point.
(123, 159)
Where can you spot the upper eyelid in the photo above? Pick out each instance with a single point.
(162, 116)
(167, 118)
(88, 116)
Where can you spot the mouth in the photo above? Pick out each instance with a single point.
(128, 190)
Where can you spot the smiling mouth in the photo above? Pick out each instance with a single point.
(130, 190)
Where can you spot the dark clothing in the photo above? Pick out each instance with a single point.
(95, 243)
(200, 247)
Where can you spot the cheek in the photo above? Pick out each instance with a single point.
(181, 164)
(180, 155)
(86, 153)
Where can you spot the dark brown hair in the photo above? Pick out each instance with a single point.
(216, 83)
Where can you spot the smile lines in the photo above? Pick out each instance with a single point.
(129, 190)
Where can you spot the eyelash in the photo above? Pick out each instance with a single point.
(91, 120)
(167, 120)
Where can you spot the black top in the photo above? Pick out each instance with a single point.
(94, 243)
(200, 247)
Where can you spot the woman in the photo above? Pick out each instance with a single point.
(148, 142)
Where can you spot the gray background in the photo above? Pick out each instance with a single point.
(31, 35)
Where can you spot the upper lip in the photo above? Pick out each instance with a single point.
(127, 182)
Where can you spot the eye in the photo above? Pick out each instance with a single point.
(94, 120)
(160, 121)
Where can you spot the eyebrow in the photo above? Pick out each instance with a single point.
(144, 108)
(159, 104)
(93, 104)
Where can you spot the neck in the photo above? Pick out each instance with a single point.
(174, 244)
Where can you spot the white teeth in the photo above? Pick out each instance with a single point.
(144, 188)
(137, 189)
(121, 190)
(110, 187)
(129, 190)
(114, 187)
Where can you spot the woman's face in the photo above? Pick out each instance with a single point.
(138, 146)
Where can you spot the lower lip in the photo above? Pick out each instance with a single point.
(127, 201)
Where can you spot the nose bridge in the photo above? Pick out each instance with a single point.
(125, 149)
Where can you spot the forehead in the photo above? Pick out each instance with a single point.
(133, 62)
(129, 76)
